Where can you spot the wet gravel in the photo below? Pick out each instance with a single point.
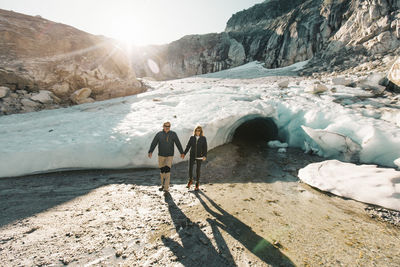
(389, 216)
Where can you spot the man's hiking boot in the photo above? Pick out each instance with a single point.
(161, 188)
(197, 187)
(189, 183)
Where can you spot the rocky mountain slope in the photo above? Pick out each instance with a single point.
(336, 35)
(44, 63)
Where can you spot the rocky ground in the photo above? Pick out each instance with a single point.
(251, 211)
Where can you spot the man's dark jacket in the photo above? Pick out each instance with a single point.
(198, 148)
(165, 142)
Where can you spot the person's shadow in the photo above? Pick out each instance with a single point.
(260, 247)
(196, 248)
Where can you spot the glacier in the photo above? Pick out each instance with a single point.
(116, 133)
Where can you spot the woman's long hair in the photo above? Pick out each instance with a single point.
(198, 128)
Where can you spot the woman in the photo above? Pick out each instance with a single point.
(198, 153)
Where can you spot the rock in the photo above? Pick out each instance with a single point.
(282, 150)
(61, 90)
(283, 84)
(80, 96)
(372, 82)
(4, 91)
(29, 103)
(394, 73)
(341, 81)
(43, 97)
(236, 53)
(87, 100)
(319, 89)
(22, 92)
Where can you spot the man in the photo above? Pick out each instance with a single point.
(165, 140)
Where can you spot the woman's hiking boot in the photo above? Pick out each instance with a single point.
(197, 187)
(189, 183)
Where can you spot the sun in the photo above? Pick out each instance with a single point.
(129, 36)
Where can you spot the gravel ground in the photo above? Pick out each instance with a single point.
(251, 211)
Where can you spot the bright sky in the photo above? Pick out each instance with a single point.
(136, 21)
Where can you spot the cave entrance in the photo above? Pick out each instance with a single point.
(256, 130)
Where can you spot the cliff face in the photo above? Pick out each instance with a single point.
(369, 37)
(282, 32)
(191, 55)
(37, 54)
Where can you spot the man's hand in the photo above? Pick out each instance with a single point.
(150, 154)
(182, 156)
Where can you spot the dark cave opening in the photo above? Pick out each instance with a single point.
(257, 130)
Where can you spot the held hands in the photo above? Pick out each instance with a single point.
(182, 155)
(204, 158)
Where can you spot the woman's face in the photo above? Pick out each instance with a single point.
(197, 132)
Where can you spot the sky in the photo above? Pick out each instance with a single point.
(138, 22)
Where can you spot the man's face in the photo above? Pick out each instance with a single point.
(166, 127)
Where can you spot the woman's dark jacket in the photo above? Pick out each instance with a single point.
(198, 148)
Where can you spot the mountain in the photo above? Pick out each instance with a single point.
(336, 35)
(50, 61)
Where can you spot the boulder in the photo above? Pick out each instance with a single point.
(61, 90)
(29, 103)
(341, 81)
(319, 88)
(87, 100)
(4, 91)
(283, 84)
(394, 73)
(44, 97)
(80, 96)
(372, 82)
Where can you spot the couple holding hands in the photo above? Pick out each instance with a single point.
(165, 140)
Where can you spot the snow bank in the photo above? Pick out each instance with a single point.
(255, 69)
(366, 183)
(117, 133)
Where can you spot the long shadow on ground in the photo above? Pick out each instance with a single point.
(256, 244)
(196, 248)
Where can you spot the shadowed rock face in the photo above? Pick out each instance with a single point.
(38, 54)
(282, 32)
(188, 56)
